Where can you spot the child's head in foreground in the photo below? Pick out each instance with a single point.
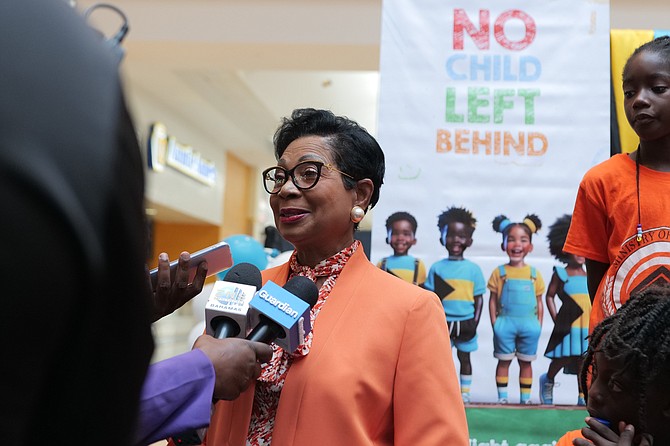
(628, 361)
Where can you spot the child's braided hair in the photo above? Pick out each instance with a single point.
(638, 336)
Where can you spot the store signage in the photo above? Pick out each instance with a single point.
(166, 150)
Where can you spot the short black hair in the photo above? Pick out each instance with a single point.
(401, 216)
(354, 150)
(660, 45)
(638, 335)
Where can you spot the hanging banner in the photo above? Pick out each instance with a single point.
(498, 108)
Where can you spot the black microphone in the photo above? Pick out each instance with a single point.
(284, 312)
(283, 315)
(226, 316)
(226, 311)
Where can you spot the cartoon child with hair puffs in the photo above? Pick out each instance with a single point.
(515, 305)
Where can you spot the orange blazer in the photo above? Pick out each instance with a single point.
(379, 372)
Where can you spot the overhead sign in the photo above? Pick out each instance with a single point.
(164, 149)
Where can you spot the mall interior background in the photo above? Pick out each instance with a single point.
(220, 74)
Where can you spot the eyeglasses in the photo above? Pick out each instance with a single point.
(304, 175)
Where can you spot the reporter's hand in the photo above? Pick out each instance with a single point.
(170, 295)
(600, 435)
(237, 362)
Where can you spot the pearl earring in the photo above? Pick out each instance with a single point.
(357, 213)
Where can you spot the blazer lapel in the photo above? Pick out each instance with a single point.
(339, 302)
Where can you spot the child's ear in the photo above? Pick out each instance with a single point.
(413, 241)
(468, 242)
(530, 248)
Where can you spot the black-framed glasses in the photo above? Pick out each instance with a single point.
(304, 175)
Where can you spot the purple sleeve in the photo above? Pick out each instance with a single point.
(176, 397)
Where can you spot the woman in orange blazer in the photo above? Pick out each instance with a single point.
(377, 368)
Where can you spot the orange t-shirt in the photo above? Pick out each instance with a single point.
(604, 229)
(566, 440)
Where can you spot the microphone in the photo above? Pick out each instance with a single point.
(227, 309)
(226, 316)
(283, 313)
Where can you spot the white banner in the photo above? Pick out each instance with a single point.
(500, 108)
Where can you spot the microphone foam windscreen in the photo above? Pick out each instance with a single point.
(245, 274)
(303, 288)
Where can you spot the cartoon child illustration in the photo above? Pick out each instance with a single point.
(568, 341)
(460, 284)
(400, 234)
(515, 305)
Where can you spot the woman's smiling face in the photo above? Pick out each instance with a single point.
(317, 219)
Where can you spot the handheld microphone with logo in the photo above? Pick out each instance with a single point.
(226, 316)
(227, 309)
(283, 313)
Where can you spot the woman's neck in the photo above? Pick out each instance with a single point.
(314, 255)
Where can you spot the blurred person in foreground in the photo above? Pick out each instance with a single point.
(626, 371)
(76, 314)
(377, 368)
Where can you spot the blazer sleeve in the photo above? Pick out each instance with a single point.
(428, 409)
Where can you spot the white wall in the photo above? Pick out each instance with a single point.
(643, 14)
(170, 188)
